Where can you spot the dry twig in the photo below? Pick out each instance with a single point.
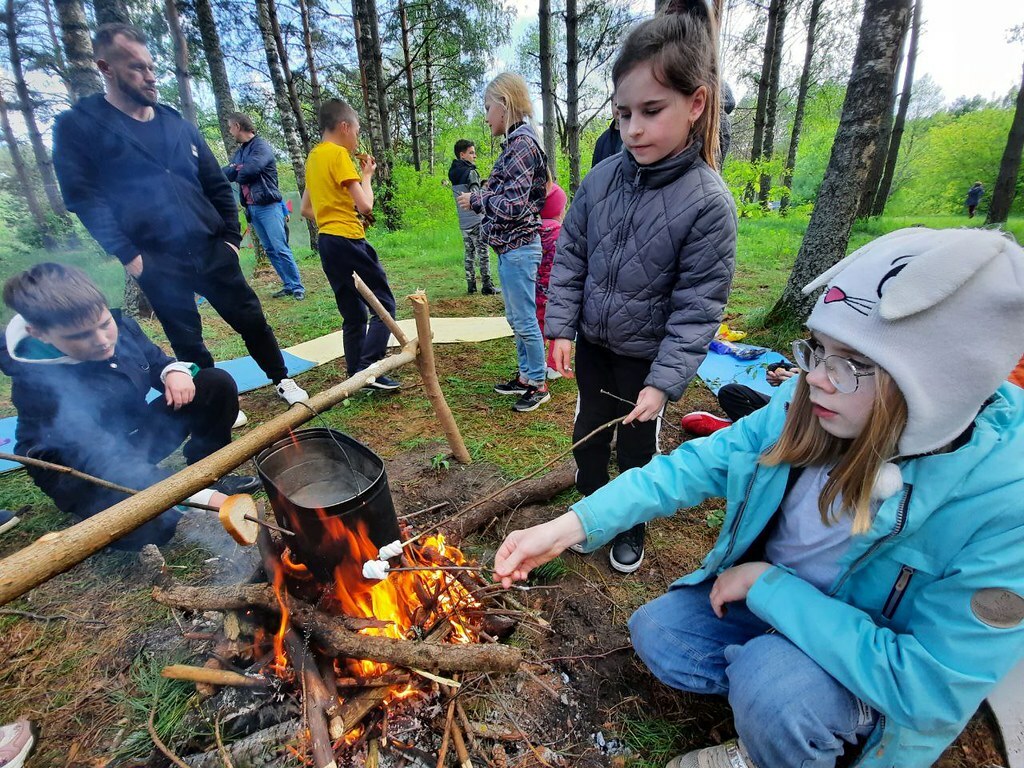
(158, 742)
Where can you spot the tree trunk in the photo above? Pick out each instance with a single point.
(110, 12)
(135, 303)
(83, 77)
(868, 96)
(307, 42)
(59, 62)
(1009, 168)
(876, 161)
(428, 75)
(410, 89)
(181, 73)
(547, 85)
(222, 97)
(572, 94)
(885, 185)
(27, 107)
(21, 171)
(771, 106)
(289, 79)
(757, 144)
(801, 102)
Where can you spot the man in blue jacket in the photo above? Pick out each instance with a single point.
(254, 168)
(148, 188)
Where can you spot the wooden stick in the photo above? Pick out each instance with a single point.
(159, 742)
(57, 551)
(378, 308)
(220, 743)
(271, 526)
(418, 512)
(442, 753)
(660, 417)
(428, 372)
(212, 676)
(460, 743)
(314, 701)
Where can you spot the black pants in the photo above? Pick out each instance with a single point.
(340, 257)
(599, 368)
(738, 401)
(205, 423)
(171, 285)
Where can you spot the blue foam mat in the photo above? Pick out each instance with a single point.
(244, 371)
(718, 370)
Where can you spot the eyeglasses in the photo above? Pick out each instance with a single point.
(844, 374)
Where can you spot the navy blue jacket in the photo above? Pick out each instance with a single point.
(608, 143)
(258, 172)
(83, 414)
(170, 203)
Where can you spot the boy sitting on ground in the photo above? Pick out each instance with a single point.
(81, 373)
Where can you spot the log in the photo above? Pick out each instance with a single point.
(258, 746)
(428, 372)
(538, 489)
(336, 639)
(57, 551)
(315, 701)
(213, 676)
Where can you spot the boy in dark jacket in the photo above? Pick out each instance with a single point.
(81, 373)
(464, 178)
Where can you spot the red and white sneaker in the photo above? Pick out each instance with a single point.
(17, 741)
(702, 423)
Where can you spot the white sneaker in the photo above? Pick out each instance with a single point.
(240, 420)
(291, 392)
(552, 374)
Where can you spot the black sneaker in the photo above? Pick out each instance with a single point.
(299, 295)
(490, 289)
(627, 552)
(385, 384)
(229, 485)
(8, 520)
(514, 386)
(532, 399)
(281, 294)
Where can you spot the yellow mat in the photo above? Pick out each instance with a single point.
(447, 330)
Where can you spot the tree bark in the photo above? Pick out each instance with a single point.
(767, 60)
(110, 12)
(56, 52)
(222, 97)
(771, 106)
(83, 77)
(801, 102)
(337, 640)
(892, 155)
(414, 132)
(572, 93)
(1009, 167)
(547, 83)
(27, 107)
(289, 78)
(428, 82)
(181, 73)
(135, 302)
(868, 96)
(28, 189)
(307, 42)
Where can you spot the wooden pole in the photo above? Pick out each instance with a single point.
(55, 552)
(428, 372)
(377, 307)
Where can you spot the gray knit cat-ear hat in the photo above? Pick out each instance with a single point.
(942, 311)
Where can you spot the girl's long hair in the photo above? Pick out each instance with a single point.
(681, 45)
(804, 443)
(510, 91)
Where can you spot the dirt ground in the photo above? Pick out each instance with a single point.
(584, 700)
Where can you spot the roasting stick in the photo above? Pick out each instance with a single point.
(660, 417)
(379, 568)
(99, 481)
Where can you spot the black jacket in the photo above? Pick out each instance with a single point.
(608, 143)
(258, 172)
(83, 414)
(166, 204)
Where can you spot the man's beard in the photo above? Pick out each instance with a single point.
(139, 96)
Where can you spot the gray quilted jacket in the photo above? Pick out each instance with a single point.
(644, 263)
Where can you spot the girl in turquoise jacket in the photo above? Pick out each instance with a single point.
(865, 592)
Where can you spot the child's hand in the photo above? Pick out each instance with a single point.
(734, 584)
(779, 375)
(463, 201)
(367, 164)
(648, 405)
(522, 551)
(561, 353)
(179, 389)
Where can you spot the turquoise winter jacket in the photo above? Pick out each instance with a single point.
(926, 613)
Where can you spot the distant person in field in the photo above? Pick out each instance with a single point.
(147, 187)
(254, 168)
(464, 177)
(337, 193)
(974, 195)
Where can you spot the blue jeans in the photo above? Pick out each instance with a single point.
(268, 221)
(788, 711)
(518, 272)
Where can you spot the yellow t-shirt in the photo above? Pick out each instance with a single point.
(329, 169)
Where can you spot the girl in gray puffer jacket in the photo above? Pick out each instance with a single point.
(646, 254)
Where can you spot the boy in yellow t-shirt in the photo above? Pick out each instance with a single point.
(335, 192)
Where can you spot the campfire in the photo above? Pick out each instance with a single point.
(353, 650)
